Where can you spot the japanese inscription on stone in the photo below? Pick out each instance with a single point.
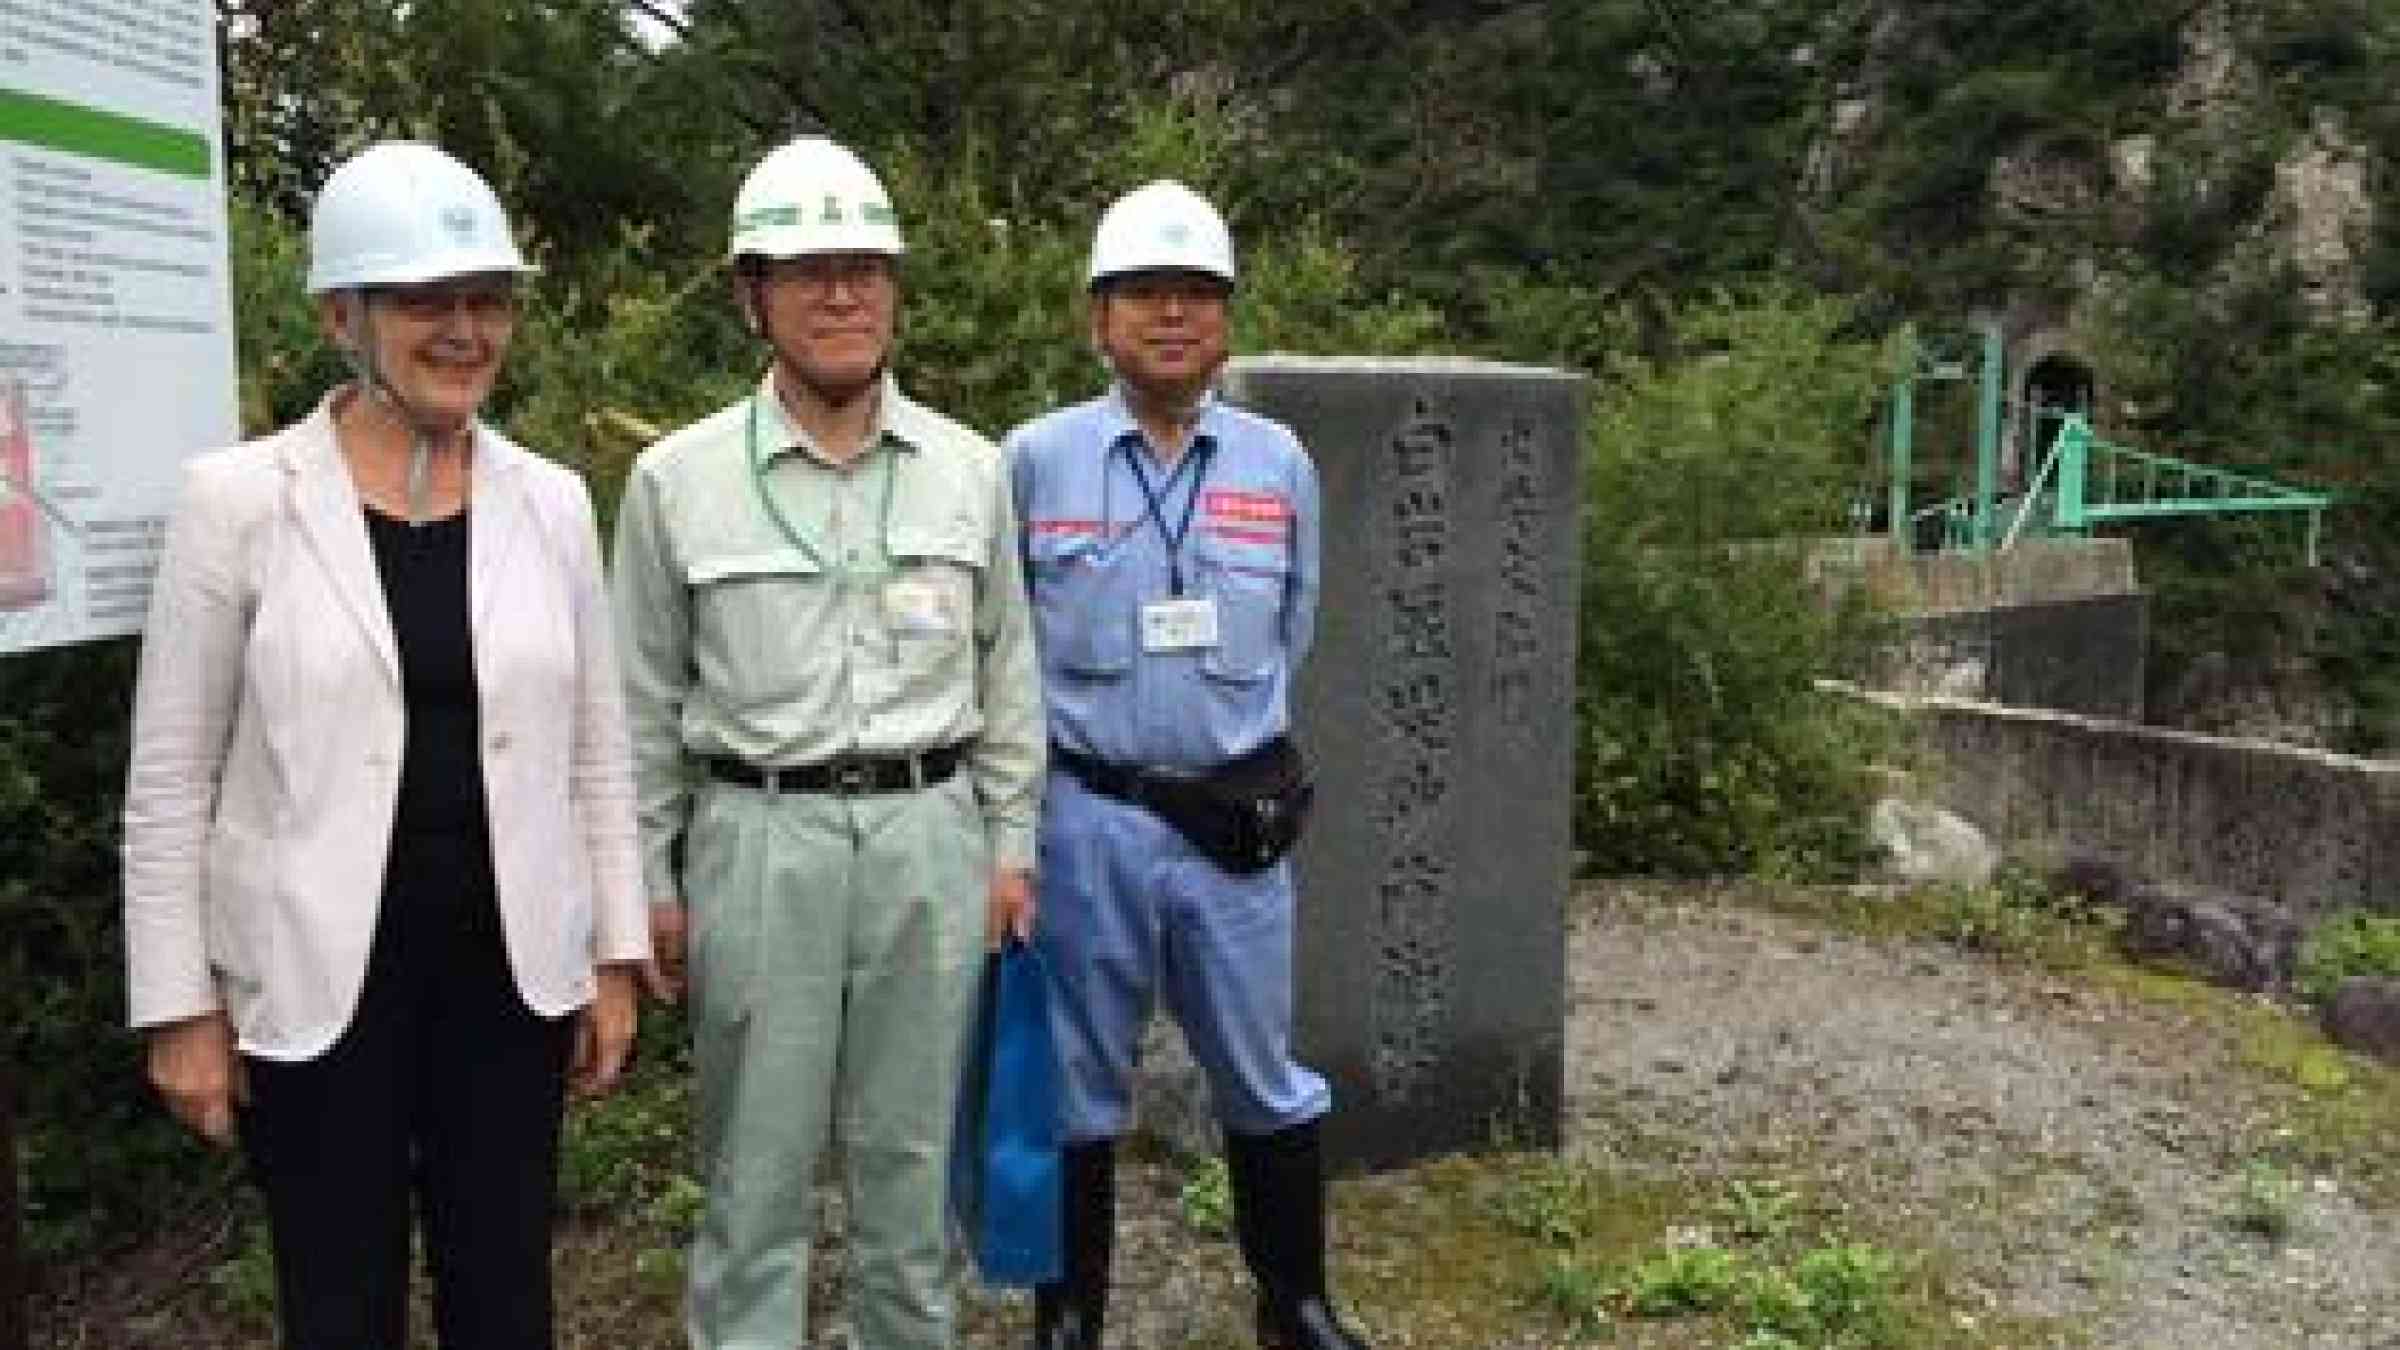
(1415, 701)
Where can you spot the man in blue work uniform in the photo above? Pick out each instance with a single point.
(1170, 543)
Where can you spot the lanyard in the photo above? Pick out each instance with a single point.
(758, 480)
(1195, 459)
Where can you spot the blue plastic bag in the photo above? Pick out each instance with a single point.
(1004, 1159)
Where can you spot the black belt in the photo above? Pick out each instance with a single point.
(846, 775)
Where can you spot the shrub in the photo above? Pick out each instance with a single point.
(2353, 942)
(1704, 747)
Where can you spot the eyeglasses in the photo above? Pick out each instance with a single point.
(484, 302)
(816, 274)
(1157, 288)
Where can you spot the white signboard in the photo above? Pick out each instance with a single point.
(116, 327)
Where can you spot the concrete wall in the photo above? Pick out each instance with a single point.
(2311, 830)
(2034, 570)
(2085, 656)
(2050, 623)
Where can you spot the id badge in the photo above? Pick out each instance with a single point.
(918, 607)
(1179, 625)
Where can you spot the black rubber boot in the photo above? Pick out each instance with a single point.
(1068, 1315)
(1279, 1218)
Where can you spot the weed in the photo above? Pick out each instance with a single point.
(1850, 1289)
(1551, 1204)
(2352, 942)
(1683, 1280)
(1207, 1197)
(2266, 1200)
(677, 1206)
(2007, 915)
(1778, 1306)
(245, 1281)
(1575, 1290)
(660, 1268)
(1763, 1211)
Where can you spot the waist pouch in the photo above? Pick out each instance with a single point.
(1244, 816)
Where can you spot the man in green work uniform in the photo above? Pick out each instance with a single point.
(829, 673)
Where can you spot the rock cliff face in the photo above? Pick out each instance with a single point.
(2082, 201)
(2115, 209)
(2321, 218)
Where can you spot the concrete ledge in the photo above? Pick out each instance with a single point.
(2311, 830)
(2033, 571)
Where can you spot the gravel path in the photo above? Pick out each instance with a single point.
(2066, 1152)
(2073, 1151)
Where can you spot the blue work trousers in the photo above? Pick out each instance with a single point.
(1131, 915)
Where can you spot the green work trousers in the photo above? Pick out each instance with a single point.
(835, 945)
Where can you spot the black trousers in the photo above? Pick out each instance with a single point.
(445, 1089)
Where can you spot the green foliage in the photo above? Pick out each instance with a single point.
(1704, 747)
(285, 362)
(2266, 1200)
(1760, 1211)
(1579, 1292)
(1551, 1203)
(628, 1154)
(2247, 382)
(1683, 1280)
(1841, 1293)
(1847, 1291)
(2352, 942)
(99, 1160)
(621, 345)
(244, 1282)
(1781, 1282)
(1207, 1197)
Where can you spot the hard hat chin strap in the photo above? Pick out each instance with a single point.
(423, 432)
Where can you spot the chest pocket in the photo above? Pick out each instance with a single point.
(1084, 604)
(927, 600)
(760, 624)
(1248, 580)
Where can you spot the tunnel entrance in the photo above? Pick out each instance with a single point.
(2056, 386)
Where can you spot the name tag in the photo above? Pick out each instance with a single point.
(1179, 625)
(916, 607)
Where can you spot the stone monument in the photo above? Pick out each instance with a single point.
(1438, 708)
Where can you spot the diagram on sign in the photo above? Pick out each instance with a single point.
(24, 534)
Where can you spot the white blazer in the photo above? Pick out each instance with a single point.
(267, 735)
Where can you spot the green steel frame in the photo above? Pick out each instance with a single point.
(2132, 485)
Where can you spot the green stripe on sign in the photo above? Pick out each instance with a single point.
(54, 125)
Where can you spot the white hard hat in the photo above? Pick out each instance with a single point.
(812, 196)
(402, 212)
(1161, 226)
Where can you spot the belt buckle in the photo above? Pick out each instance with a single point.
(853, 776)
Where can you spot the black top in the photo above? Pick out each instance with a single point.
(424, 571)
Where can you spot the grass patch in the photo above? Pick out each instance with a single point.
(1466, 1250)
(2015, 918)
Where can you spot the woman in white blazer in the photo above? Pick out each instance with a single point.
(382, 899)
